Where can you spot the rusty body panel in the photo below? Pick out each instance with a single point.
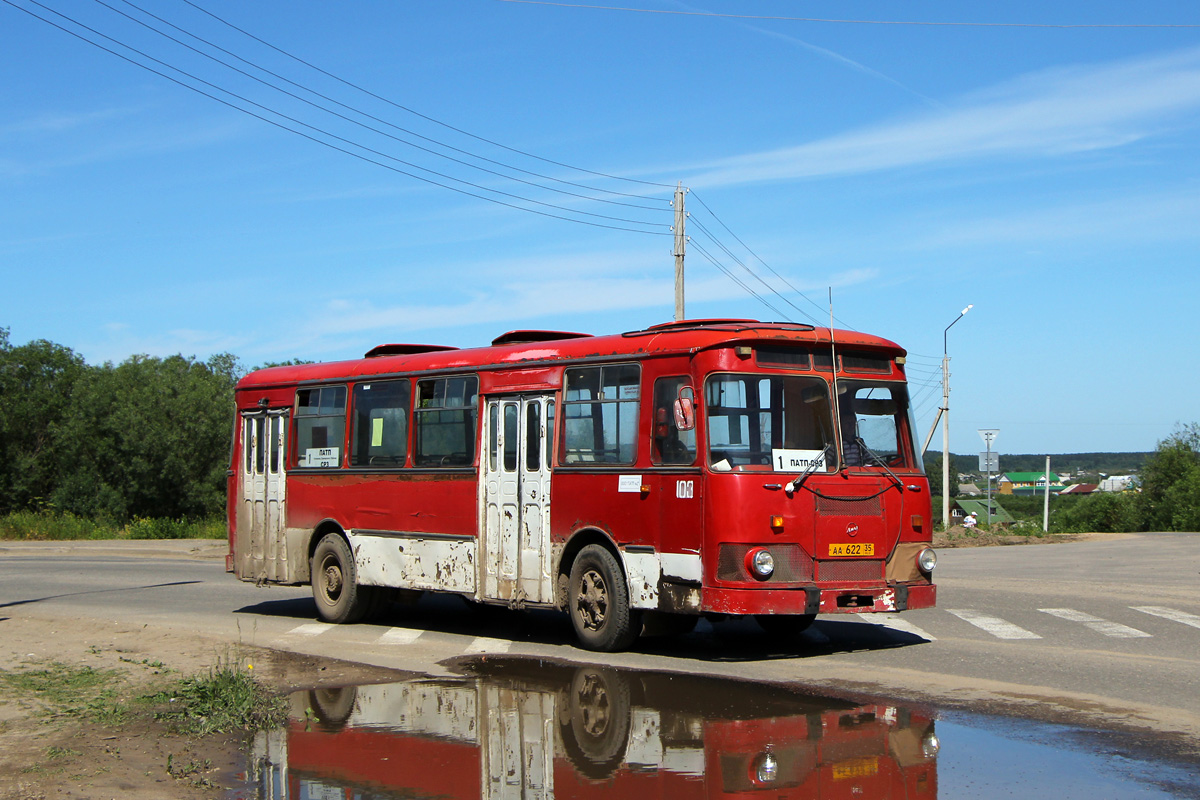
(844, 541)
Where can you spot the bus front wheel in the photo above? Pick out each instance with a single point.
(598, 602)
(335, 582)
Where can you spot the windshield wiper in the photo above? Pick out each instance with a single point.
(879, 462)
(798, 481)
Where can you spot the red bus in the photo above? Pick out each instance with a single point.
(593, 733)
(702, 467)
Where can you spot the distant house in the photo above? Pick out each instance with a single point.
(969, 489)
(1080, 488)
(1117, 483)
(960, 508)
(1028, 483)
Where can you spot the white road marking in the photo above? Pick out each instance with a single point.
(1171, 614)
(482, 644)
(399, 636)
(900, 625)
(311, 629)
(1114, 629)
(993, 625)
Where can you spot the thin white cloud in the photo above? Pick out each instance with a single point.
(1045, 114)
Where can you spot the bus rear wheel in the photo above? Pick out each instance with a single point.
(335, 583)
(598, 602)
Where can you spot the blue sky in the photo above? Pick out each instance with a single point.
(1047, 175)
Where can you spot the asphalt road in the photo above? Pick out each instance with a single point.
(1103, 631)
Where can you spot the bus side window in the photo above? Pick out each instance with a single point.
(380, 416)
(444, 422)
(671, 445)
(600, 414)
(320, 426)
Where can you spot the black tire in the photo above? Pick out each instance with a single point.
(332, 707)
(785, 624)
(598, 602)
(335, 583)
(596, 738)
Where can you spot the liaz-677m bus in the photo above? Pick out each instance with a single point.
(695, 468)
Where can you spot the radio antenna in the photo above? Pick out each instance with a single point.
(837, 406)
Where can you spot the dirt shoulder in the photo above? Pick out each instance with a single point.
(48, 750)
(958, 536)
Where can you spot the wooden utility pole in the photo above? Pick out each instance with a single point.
(680, 242)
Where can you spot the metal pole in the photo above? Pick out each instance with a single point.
(680, 242)
(988, 439)
(1046, 506)
(945, 412)
(946, 440)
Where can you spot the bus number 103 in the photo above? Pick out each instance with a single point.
(684, 490)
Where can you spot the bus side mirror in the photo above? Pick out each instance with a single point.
(685, 409)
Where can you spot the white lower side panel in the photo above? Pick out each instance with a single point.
(445, 564)
(642, 571)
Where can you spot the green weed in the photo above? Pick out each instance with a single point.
(224, 700)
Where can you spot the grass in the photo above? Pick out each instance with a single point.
(70, 691)
(226, 699)
(44, 526)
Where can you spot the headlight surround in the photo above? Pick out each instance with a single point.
(760, 563)
(927, 560)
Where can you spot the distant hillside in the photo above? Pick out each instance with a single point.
(1090, 463)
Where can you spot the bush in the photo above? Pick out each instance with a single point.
(40, 526)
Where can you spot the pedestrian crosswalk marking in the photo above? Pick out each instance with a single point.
(1171, 614)
(399, 636)
(993, 625)
(482, 644)
(902, 625)
(1114, 629)
(311, 629)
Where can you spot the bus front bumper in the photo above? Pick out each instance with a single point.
(842, 599)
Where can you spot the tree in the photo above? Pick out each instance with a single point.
(149, 437)
(933, 470)
(36, 382)
(1168, 500)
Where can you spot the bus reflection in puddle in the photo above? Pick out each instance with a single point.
(515, 729)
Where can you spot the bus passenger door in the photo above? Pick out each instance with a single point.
(262, 552)
(516, 486)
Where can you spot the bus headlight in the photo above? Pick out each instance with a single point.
(765, 769)
(760, 563)
(927, 559)
(930, 745)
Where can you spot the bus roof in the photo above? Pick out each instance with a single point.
(525, 347)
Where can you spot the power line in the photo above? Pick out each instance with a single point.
(729, 273)
(766, 17)
(423, 116)
(328, 133)
(787, 283)
(337, 114)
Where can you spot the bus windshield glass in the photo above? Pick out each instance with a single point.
(876, 425)
(768, 422)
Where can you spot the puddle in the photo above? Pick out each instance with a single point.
(514, 728)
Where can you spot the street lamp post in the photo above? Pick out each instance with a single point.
(945, 414)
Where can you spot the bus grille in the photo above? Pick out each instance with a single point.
(855, 570)
(849, 507)
(792, 564)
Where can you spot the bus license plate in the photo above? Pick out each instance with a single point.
(855, 768)
(851, 549)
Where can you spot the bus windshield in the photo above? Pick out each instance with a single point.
(784, 424)
(768, 422)
(876, 425)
